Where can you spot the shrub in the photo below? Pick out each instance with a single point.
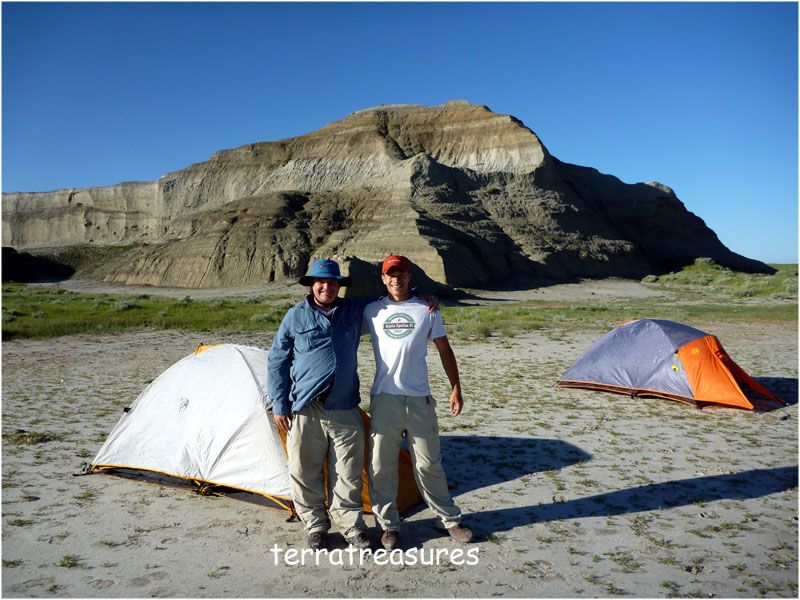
(70, 561)
(28, 438)
(120, 305)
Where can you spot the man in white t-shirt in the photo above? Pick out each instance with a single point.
(401, 327)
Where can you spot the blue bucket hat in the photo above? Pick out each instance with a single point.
(324, 268)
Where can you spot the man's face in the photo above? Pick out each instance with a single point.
(325, 290)
(396, 282)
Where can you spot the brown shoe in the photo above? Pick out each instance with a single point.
(317, 540)
(389, 539)
(358, 540)
(460, 533)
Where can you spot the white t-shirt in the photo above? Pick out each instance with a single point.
(400, 334)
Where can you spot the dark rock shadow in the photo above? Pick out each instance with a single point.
(22, 267)
(670, 494)
(366, 281)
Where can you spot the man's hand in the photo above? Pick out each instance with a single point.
(284, 422)
(451, 369)
(456, 401)
(431, 301)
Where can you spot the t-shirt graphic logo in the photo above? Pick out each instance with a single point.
(398, 325)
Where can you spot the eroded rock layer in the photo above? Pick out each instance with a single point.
(473, 197)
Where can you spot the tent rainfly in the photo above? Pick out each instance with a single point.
(205, 419)
(664, 359)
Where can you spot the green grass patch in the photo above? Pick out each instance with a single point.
(706, 275)
(70, 561)
(218, 572)
(29, 438)
(20, 522)
(86, 496)
(469, 322)
(42, 312)
(483, 321)
(38, 312)
(11, 563)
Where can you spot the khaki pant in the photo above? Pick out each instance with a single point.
(416, 415)
(337, 436)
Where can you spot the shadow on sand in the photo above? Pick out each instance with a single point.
(474, 462)
(670, 494)
(784, 388)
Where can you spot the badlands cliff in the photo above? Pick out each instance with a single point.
(473, 197)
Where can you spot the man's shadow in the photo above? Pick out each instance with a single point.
(478, 461)
(474, 462)
(669, 494)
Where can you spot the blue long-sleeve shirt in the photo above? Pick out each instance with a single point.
(312, 352)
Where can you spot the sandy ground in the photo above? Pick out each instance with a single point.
(600, 289)
(572, 493)
(86, 286)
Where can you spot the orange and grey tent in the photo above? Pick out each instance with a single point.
(205, 420)
(665, 359)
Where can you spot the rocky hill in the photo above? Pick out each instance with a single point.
(473, 197)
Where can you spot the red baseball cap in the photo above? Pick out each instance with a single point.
(397, 261)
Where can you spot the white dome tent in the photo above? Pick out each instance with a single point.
(205, 419)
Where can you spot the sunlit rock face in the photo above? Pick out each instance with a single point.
(472, 197)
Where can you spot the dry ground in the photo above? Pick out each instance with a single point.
(572, 493)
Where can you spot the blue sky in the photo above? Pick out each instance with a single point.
(699, 96)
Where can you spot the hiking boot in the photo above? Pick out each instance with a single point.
(358, 540)
(460, 533)
(317, 540)
(389, 539)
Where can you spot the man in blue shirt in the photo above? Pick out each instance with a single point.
(314, 388)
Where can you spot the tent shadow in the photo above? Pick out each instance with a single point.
(178, 483)
(670, 494)
(783, 387)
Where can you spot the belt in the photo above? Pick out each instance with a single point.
(319, 398)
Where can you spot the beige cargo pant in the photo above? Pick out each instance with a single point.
(416, 415)
(337, 436)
